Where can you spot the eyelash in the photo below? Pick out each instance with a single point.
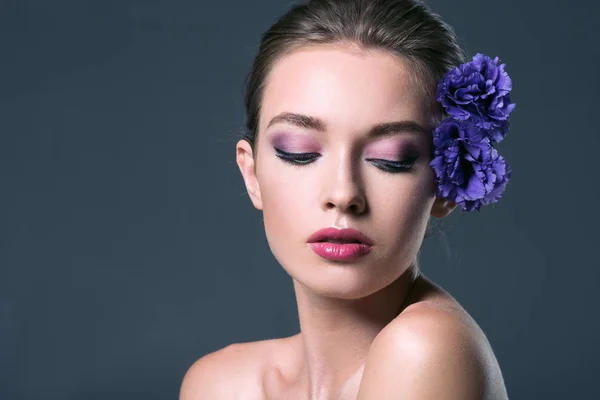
(300, 159)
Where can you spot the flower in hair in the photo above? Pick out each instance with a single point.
(469, 169)
(478, 90)
(475, 96)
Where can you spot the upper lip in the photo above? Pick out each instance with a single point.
(346, 235)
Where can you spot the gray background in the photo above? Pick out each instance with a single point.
(128, 247)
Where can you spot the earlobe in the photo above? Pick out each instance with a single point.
(442, 208)
(245, 161)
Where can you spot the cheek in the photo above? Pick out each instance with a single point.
(422, 196)
(284, 200)
(403, 208)
(278, 207)
(278, 188)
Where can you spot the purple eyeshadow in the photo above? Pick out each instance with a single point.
(294, 142)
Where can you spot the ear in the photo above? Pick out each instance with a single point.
(442, 207)
(245, 161)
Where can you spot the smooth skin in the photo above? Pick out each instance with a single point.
(355, 341)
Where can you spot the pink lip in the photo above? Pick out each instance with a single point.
(340, 251)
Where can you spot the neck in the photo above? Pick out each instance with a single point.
(336, 333)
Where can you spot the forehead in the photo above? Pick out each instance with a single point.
(347, 87)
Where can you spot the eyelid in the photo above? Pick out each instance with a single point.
(293, 141)
(405, 163)
(304, 153)
(404, 160)
(388, 166)
(409, 159)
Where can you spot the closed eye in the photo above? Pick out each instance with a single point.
(391, 166)
(296, 158)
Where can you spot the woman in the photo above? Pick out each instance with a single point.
(338, 155)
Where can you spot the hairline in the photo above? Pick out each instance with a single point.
(416, 77)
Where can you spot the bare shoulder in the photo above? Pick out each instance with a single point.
(434, 349)
(233, 372)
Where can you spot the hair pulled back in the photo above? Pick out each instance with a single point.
(407, 29)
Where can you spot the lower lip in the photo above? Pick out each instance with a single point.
(340, 251)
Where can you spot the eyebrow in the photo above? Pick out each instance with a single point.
(379, 130)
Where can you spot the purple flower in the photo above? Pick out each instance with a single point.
(469, 169)
(478, 90)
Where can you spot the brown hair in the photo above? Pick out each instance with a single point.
(405, 28)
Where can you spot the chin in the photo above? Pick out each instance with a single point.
(342, 280)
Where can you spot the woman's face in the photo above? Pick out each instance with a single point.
(321, 162)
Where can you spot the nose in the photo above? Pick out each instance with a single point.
(343, 189)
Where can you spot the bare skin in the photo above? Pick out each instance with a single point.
(272, 369)
(370, 329)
